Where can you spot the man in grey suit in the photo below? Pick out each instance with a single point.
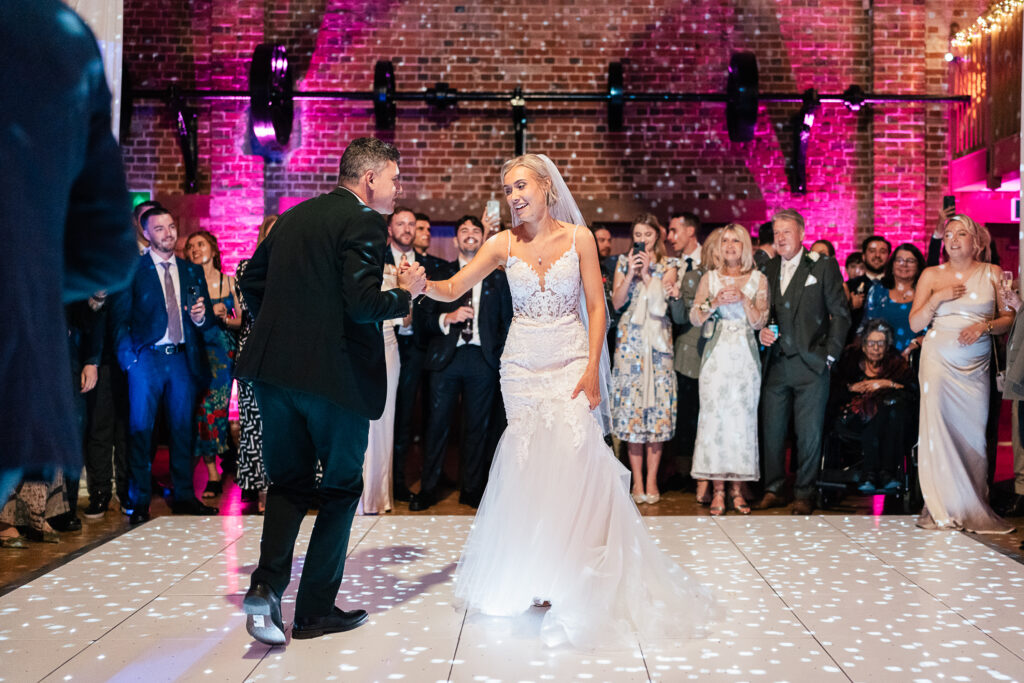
(810, 308)
(682, 235)
(1013, 388)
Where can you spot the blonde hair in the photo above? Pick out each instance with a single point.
(709, 250)
(979, 236)
(746, 257)
(650, 220)
(535, 165)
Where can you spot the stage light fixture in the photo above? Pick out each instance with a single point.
(271, 105)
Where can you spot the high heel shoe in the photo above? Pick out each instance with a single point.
(739, 504)
(638, 498)
(653, 498)
(703, 493)
(718, 508)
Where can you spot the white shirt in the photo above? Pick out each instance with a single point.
(477, 289)
(166, 339)
(410, 256)
(789, 267)
(694, 256)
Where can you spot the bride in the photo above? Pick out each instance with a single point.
(556, 524)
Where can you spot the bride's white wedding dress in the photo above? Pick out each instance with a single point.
(556, 521)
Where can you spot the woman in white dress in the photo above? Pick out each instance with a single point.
(556, 524)
(962, 303)
(379, 447)
(735, 295)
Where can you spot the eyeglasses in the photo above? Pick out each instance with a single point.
(905, 261)
(875, 344)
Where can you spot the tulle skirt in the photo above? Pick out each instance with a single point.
(556, 522)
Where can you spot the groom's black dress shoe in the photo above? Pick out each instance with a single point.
(335, 622)
(263, 614)
(402, 494)
(422, 500)
(1014, 507)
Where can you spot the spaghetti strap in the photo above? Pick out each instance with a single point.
(574, 231)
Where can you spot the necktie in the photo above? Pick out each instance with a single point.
(171, 297)
(689, 263)
(787, 275)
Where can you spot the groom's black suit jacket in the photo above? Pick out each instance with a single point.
(493, 320)
(314, 289)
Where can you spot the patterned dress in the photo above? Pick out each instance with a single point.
(643, 377)
(212, 438)
(250, 444)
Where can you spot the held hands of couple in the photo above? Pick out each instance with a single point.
(590, 385)
(412, 278)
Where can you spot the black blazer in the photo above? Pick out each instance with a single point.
(813, 316)
(493, 319)
(139, 315)
(314, 290)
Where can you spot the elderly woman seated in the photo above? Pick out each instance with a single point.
(874, 400)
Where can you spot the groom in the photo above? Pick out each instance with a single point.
(315, 358)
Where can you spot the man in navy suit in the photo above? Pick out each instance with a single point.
(158, 324)
(466, 339)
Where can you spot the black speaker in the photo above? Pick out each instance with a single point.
(741, 91)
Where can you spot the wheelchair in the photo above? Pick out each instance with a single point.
(842, 470)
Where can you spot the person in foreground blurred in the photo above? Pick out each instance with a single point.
(963, 305)
(556, 527)
(315, 358)
(66, 224)
(732, 299)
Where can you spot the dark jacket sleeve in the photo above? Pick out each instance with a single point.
(253, 281)
(362, 256)
(99, 240)
(835, 303)
(120, 314)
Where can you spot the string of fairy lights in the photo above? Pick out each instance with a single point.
(997, 16)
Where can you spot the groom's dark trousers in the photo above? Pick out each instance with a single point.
(307, 427)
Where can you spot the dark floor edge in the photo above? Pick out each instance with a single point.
(986, 540)
(56, 564)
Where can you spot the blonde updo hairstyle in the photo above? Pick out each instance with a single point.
(535, 165)
(980, 237)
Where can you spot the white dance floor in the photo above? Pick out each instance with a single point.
(809, 599)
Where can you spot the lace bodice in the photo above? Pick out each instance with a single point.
(557, 296)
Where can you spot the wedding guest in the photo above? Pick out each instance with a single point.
(765, 245)
(876, 251)
(874, 398)
(854, 267)
(683, 229)
(213, 431)
(421, 242)
(891, 298)
(603, 237)
(643, 377)
(159, 321)
(141, 208)
(824, 247)
(963, 306)
(807, 301)
(1014, 390)
(66, 225)
(735, 296)
(466, 338)
(377, 460)
(250, 476)
(33, 503)
(411, 346)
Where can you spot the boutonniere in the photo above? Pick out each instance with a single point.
(812, 256)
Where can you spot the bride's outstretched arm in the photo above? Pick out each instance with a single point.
(593, 290)
(490, 256)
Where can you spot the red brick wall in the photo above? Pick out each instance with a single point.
(880, 170)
